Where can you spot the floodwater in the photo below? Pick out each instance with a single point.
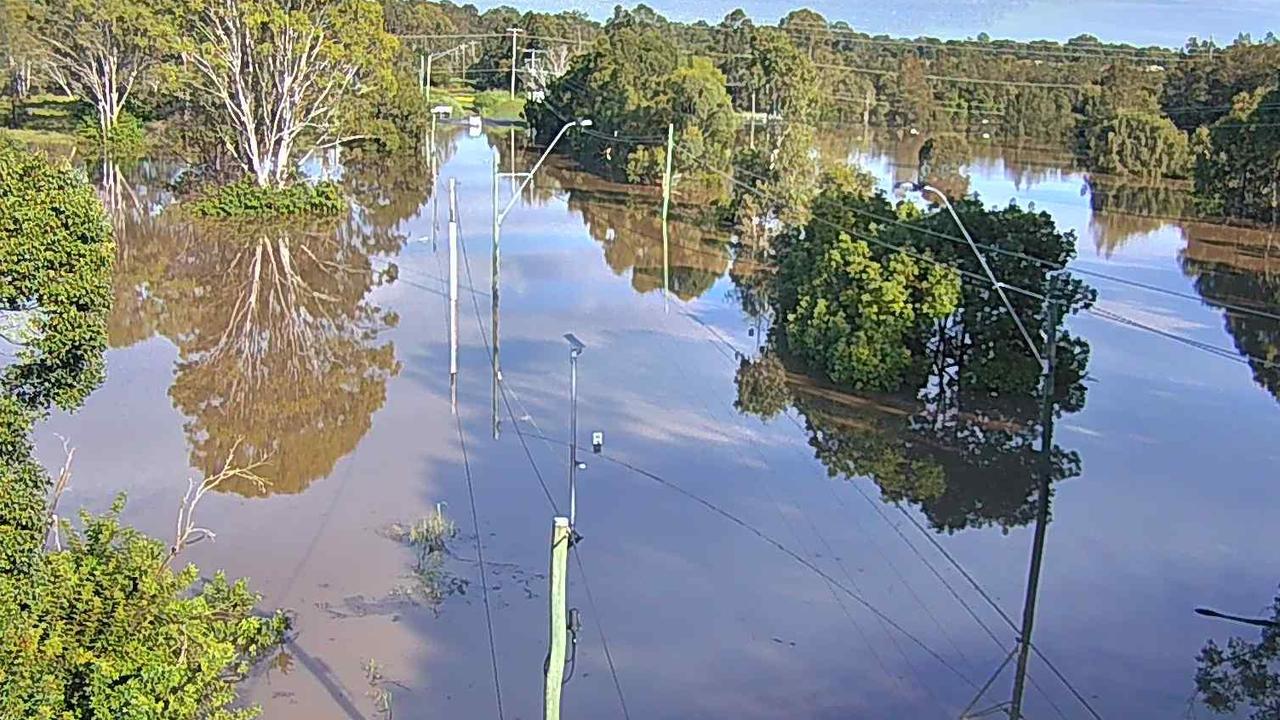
(723, 572)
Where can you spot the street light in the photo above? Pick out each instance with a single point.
(922, 188)
(575, 349)
(498, 218)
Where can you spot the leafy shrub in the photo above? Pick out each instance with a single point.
(499, 105)
(245, 198)
(98, 626)
(104, 629)
(126, 139)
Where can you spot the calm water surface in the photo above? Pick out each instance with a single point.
(323, 354)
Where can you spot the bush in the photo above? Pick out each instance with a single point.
(126, 139)
(245, 198)
(98, 626)
(499, 105)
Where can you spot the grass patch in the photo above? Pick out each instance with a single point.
(499, 105)
(245, 199)
(41, 139)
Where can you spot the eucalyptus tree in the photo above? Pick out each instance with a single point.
(284, 77)
(101, 50)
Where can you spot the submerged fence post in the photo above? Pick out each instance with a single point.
(554, 677)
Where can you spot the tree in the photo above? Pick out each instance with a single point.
(1242, 675)
(1238, 160)
(1139, 144)
(910, 98)
(283, 75)
(18, 51)
(101, 51)
(853, 315)
(94, 623)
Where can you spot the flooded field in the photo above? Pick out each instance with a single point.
(731, 567)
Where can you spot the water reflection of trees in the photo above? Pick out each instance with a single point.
(962, 441)
(279, 355)
(628, 226)
(966, 456)
(1239, 268)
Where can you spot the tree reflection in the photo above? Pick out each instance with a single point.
(1243, 674)
(961, 441)
(279, 352)
(278, 356)
(628, 227)
(1239, 268)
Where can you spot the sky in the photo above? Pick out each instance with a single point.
(1141, 22)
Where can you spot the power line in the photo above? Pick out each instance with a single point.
(484, 577)
(604, 641)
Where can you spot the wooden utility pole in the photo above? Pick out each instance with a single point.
(666, 212)
(554, 678)
(753, 119)
(1053, 317)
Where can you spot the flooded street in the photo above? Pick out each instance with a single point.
(728, 568)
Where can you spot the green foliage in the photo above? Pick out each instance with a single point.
(1242, 676)
(55, 268)
(98, 626)
(499, 105)
(856, 316)
(104, 629)
(762, 386)
(246, 199)
(632, 82)
(1139, 144)
(125, 139)
(1238, 160)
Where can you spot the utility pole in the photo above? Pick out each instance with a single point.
(666, 213)
(553, 680)
(1052, 319)
(495, 271)
(753, 119)
(575, 349)
(453, 292)
(515, 32)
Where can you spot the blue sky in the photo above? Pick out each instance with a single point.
(1162, 22)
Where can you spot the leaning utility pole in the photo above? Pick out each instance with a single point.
(1053, 317)
(514, 33)
(554, 677)
(666, 212)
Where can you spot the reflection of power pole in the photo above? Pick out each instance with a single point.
(666, 211)
(515, 32)
(496, 272)
(453, 292)
(1052, 319)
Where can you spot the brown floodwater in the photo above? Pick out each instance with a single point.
(726, 570)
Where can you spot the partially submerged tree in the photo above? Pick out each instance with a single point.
(99, 50)
(282, 75)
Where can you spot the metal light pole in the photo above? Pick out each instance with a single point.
(575, 349)
(495, 265)
(922, 188)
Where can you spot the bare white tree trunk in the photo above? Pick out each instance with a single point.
(273, 82)
(98, 61)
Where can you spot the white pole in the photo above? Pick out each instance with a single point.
(453, 278)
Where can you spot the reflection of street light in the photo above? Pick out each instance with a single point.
(498, 218)
(575, 349)
(922, 188)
